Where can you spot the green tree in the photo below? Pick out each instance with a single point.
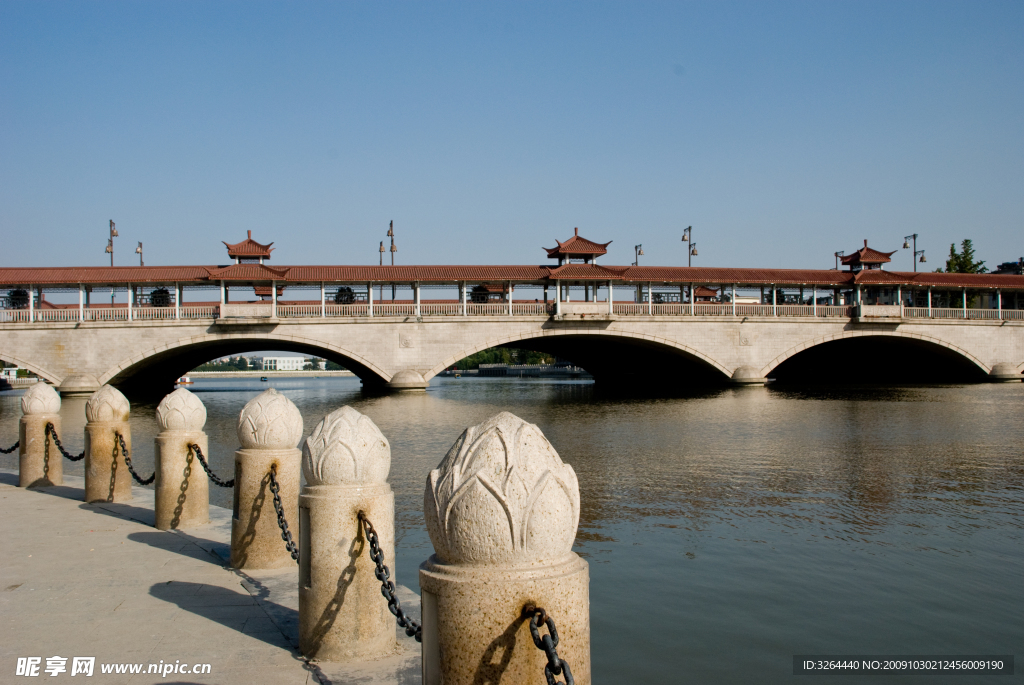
(963, 262)
(503, 355)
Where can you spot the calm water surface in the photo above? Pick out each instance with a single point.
(730, 530)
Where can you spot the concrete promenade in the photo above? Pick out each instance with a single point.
(80, 580)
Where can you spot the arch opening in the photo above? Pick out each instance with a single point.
(622, 363)
(877, 359)
(155, 375)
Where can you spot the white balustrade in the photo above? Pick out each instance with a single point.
(391, 309)
(347, 309)
(529, 308)
(441, 309)
(297, 311)
(497, 309)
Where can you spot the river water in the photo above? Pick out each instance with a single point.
(728, 530)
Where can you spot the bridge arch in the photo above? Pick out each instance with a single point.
(165, 363)
(548, 336)
(34, 368)
(925, 340)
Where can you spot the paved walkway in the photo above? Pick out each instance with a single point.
(80, 580)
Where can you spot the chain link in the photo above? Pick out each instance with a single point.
(547, 643)
(202, 460)
(387, 588)
(286, 534)
(11, 448)
(128, 461)
(56, 441)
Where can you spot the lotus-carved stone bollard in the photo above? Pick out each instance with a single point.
(182, 487)
(342, 616)
(502, 511)
(106, 475)
(269, 428)
(39, 462)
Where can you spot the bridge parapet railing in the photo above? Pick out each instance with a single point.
(706, 309)
(394, 309)
(835, 310)
(488, 309)
(207, 312)
(441, 309)
(630, 308)
(529, 308)
(753, 309)
(152, 313)
(794, 310)
(347, 309)
(106, 314)
(293, 311)
(14, 315)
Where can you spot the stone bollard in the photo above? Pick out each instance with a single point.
(182, 487)
(40, 462)
(342, 615)
(106, 475)
(502, 511)
(269, 428)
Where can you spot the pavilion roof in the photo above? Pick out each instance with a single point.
(868, 255)
(578, 246)
(249, 248)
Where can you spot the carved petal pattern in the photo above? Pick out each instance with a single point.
(346, 448)
(107, 405)
(502, 496)
(269, 421)
(181, 411)
(40, 399)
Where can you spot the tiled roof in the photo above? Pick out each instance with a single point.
(101, 274)
(711, 276)
(868, 255)
(586, 271)
(249, 272)
(249, 248)
(578, 246)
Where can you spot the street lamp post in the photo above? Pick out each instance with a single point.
(638, 251)
(110, 251)
(394, 249)
(138, 251)
(841, 253)
(906, 244)
(691, 247)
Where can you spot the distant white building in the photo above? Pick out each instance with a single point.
(283, 363)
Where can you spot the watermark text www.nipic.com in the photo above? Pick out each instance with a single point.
(35, 666)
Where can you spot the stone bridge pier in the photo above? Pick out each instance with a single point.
(404, 353)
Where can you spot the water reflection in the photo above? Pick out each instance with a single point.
(727, 529)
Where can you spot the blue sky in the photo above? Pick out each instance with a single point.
(781, 131)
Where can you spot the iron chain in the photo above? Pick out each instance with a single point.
(128, 461)
(286, 534)
(387, 587)
(11, 448)
(206, 467)
(56, 441)
(547, 644)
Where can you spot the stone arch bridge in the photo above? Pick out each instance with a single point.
(406, 352)
(631, 326)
